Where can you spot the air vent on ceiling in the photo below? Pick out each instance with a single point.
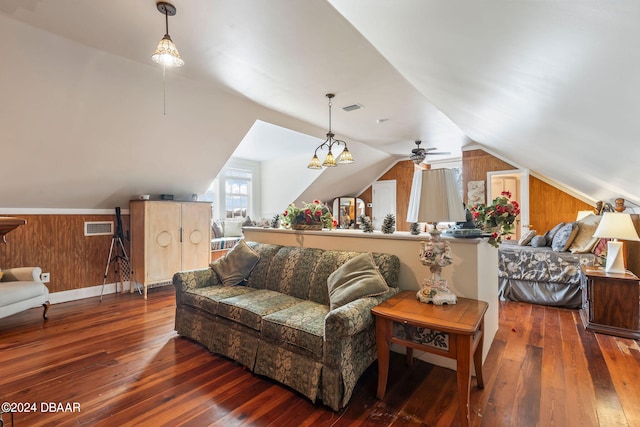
(98, 228)
(353, 107)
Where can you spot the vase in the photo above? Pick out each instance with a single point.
(308, 227)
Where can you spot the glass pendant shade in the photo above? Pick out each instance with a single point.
(329, 161)
(345, 157)
(314, 163)
(167, 53)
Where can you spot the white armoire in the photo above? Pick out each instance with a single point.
(167, 237)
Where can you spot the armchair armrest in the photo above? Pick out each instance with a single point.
(22, 274)
(353, 317)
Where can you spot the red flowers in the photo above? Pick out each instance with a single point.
(497, 218)
(310, 213)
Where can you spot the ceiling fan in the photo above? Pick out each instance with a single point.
(419, 154)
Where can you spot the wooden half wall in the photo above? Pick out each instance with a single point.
(57, 244)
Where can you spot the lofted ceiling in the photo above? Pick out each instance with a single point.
(551, 86)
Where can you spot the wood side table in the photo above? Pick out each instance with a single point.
(463, 322)
(611, 302)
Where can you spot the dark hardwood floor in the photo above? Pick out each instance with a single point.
(120, 362)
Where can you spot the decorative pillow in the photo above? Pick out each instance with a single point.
(539, 241)
(1, 274)
(357, 278)
(564, 237)
(216, 229)
(232, 228)
(236, 265)
(584, 241)
(526, 239)
(549, 235)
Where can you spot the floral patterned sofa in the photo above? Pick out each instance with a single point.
(278, 321)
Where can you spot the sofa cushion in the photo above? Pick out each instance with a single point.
(248, 309)
(292, 269)
(301, 326)
(564, 237)
(12, 292)
(357, 278)
(236, 265)
(232, 228)
(207, 298)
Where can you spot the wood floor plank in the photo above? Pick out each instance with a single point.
(121, 360)
(553, 411)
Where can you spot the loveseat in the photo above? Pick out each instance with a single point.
(284, 319)
(22, 289)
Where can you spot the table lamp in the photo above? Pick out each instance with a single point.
(616, 226)
(440, 201)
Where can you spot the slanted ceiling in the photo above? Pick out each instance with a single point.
(552, 86)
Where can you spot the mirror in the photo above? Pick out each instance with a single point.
(347, 211)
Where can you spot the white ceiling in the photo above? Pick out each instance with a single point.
(553, 86)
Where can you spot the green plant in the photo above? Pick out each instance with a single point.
(498, 218)
(310, 213)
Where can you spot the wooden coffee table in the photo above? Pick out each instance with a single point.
(464, 322)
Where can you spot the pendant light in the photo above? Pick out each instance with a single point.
(166, 53)
(330, 161)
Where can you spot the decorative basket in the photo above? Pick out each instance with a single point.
(316, 226)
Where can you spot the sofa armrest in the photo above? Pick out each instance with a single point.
(353, 317)
(22, 274)
(194, 279)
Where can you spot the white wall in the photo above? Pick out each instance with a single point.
(283, 180)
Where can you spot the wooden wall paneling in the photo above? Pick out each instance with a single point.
(476, 164)
(402, 172)
(367, 198)
(548, 206)
(57, 244)
(633, 249)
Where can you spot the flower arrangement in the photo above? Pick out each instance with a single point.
(310, 215)
(498, 217)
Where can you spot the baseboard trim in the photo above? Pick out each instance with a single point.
(88, 292)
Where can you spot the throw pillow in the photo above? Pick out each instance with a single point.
(584, 241)
(357, 278)
(564, 237)
(526, 239)
(236, 265)
(1, 274)
(539, 241)
(232, 228)
(549, 235)
(216, 228)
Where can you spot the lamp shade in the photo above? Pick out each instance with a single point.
(615, 225)
(167, 53)
(440, 199)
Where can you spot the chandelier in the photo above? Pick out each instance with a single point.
(166, 53)
(330, 161)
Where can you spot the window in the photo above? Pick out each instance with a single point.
(237, 192)
(232, 193)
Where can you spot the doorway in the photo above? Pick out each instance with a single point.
(517, 183)
(384, 201)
